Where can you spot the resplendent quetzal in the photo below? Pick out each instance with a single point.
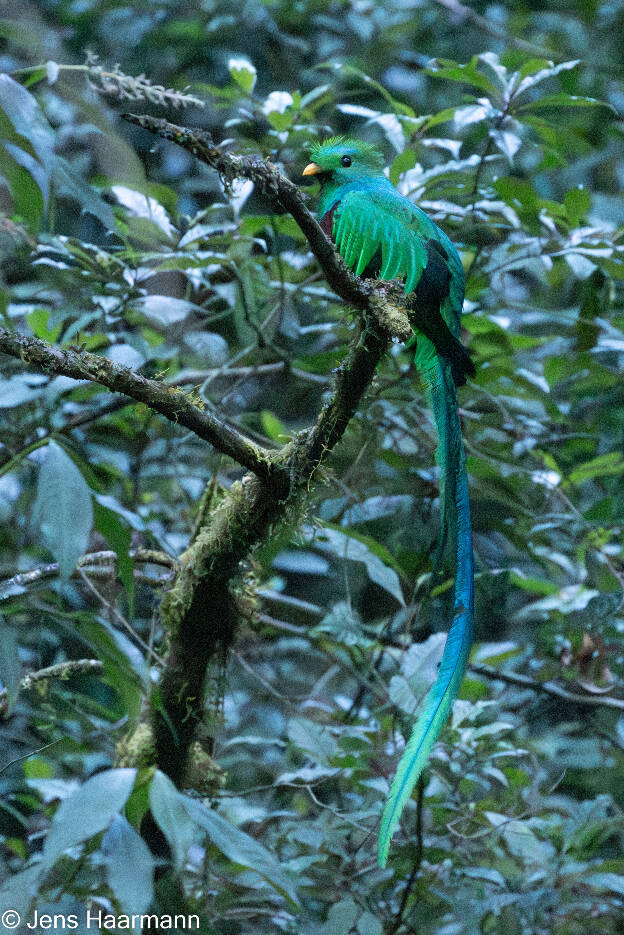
(382, 235)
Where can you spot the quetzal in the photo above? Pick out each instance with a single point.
(382, 235)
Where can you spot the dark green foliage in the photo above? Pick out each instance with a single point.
(125, 246)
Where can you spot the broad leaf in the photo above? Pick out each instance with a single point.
(170, 814)
(241, 848)
(63, 510)
(10, 668)
(360, 549)
(87, 812)
(129, 866)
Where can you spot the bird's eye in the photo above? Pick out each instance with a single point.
(346, 161)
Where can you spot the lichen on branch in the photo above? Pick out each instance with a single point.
(170, 402)
(201, 610)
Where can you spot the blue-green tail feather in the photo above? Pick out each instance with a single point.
(455, 510)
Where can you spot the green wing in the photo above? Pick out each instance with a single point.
(364, 226)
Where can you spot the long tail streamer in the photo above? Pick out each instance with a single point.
(455, 510)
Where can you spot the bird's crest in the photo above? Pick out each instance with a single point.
(329, 152)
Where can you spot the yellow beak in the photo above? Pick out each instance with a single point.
(312, 169)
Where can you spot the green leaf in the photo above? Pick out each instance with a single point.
(521, 841)
(374, 508)
(314, 739)
(358, 548)
(555, 101)
(537, 70)
(119, 537)
(241, 848)
(27, 184)
(273, 427)
(317, 96)
(10, 668)
(38, 321)
(87, 812)
(166, 310)
(129, 866)
(168, 807)
(577, 203)
(19, 890)
(614, 882)
(518, 193)
(63, 510)
(403, 162)
(368, 924)
(341, 917)
(17, 390)
(35, 76)
(322, 362)
(419, 670)
(243, 73)
(13, 462)
(27, 150)
(27, 119)
(344, 625)
(533, 584)
(69, 183)
(606, 465)
(466, 74)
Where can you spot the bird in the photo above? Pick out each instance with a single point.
(383, 235)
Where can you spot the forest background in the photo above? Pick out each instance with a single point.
(318, 630)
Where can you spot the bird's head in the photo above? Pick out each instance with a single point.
(343, 160)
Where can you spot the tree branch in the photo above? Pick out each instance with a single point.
(62, 670)
(269, 180)
(463, 12)
(385, 301)
(201, 610)
(548, 688)
(105, 561)
(241, 373)
(173, 404)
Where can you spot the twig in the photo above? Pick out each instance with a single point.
(398, 919)
(114, 83)
(120, 618)
(257, 370)
(496, 31)
(547, 688)
(282, 625)
(63, 670)
(328, 808)
(84, 417)
(265, 683)
(91, 560)
(25, 756)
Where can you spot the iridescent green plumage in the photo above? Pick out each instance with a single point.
(381, 234)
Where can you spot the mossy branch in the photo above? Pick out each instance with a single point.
(270, 181)
(201, 610)
(170, 402)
